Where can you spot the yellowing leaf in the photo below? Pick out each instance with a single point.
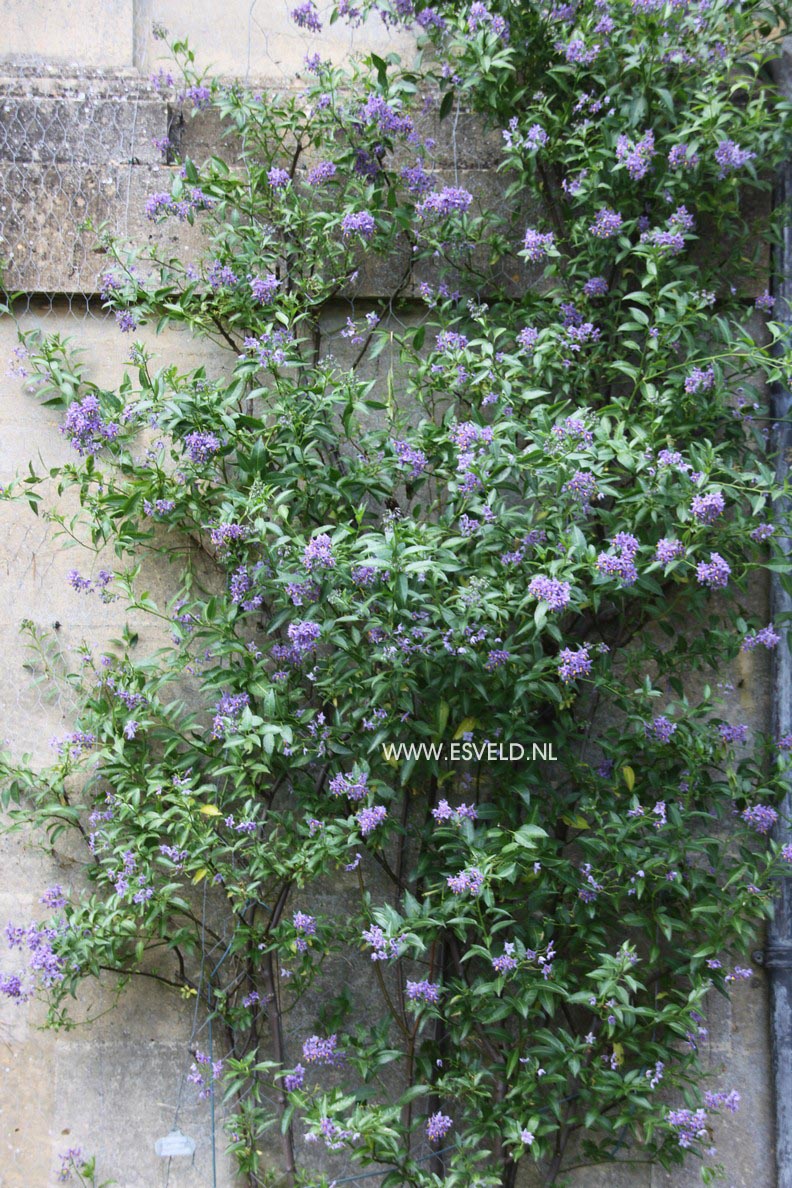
(464, 727)
(200, 874)
(618, 1052)
(210, 810)
(576, 822)
(629, 778)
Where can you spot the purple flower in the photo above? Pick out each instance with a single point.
(174, 854)
(264, 288)
(496, 658)
(384, 947)
(411, 456)
(361, 222)
(527, 338)
(707, 508)
(636, 156)
(125, 321)
(423, 992)
(574, 664)
(294, 1080)
(507, 962)
(700, 380)
(317, 1050)
(318, 553)
(449, 340)
(690, 1126)
(271, 347)
(352, 784)
(597, 286)
(669, 550)
(765, 302)
(680, 156)
(760, 817)
(733, 735)
(72, 745)
(278, 178)
(303, 636)
(714, 1101)
(85, 427)
(227, 712)
(54, 897)
(437, 1126)
(573, 430)
(537, 245)
(441, 203)
(607, 223)
(767, 636)
(555, 593)
(223, 535)
(369, 819)
(577, 53)
(762, 532)
(199, 96)
(583, 486)
(321, 173)
(470, 880)
(416, 178)
(714, 573)
(730, 157)
(201, 446)
(620, 562)
(306, 16)
(221, 276)
(660, 729)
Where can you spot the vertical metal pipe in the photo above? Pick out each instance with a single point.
(778, 954)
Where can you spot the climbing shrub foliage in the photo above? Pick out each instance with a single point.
(419, 783)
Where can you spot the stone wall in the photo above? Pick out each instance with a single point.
(76, 124)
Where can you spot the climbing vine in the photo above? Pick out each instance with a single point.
(424, 784)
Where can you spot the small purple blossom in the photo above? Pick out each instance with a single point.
(768, 637)
(370, 818)
(572, 665)
(201, 446)
(86, 428)
(264, 288)
(669, 550)
(424, 991)
(661, 729)
(318, 553)
(306, 16)
(700, 380)
(437, 1126)
(760, 817)
(555, 593)
(319, 1050)
(442, 203)
(607, 223)
(730, 157)
(536, 245)
(713, 573)
(278, 178)
(358, 222)
(707, 508)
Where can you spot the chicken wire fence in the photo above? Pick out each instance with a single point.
(83, 144)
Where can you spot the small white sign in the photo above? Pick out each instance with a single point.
(174, 1144)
